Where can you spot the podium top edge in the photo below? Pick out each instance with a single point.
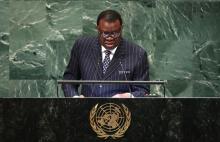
(111, 82)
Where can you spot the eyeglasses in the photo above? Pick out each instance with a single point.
(112, 34)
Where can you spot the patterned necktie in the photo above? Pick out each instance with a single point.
(106, 60)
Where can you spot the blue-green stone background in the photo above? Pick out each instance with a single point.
(182, 38)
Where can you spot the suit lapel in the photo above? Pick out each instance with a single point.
(97, 59)
(115, 62)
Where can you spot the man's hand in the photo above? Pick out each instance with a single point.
(123, 95)
(80, 96)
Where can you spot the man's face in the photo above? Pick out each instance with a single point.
(109, 33)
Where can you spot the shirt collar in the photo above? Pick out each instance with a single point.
(112, 50)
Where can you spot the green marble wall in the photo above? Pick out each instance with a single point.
(182, 38)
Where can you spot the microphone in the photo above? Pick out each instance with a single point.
(123, 70)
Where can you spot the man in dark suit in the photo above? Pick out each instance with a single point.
(107, 57)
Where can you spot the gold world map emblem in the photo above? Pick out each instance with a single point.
(110, 120)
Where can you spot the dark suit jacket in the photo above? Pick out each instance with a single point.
(129, 63)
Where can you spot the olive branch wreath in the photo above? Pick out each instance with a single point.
(102, 134)
(121, 131)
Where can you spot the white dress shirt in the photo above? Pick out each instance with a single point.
(111, 55)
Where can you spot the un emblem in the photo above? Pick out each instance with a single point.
(110, 120)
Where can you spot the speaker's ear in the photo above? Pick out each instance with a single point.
(121, 27)
(97, 27)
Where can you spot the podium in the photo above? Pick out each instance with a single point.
(155, 82)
